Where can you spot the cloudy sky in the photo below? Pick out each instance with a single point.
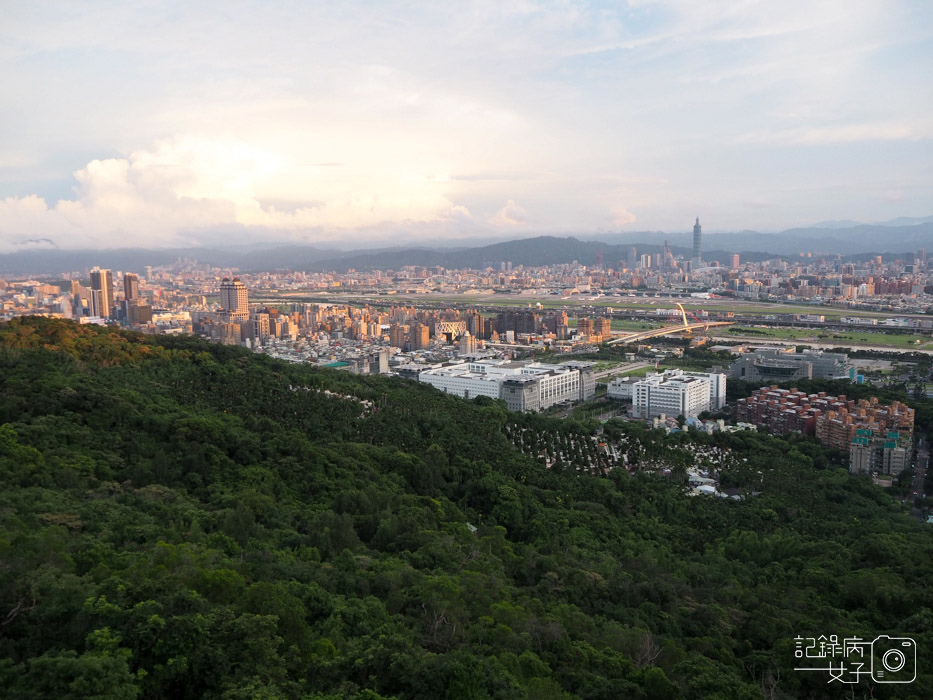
(183, 123)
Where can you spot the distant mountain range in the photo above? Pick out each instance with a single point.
(831, 238)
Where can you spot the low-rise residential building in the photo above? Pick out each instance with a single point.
(878, 437)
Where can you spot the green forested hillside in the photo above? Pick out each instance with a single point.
(184, 520)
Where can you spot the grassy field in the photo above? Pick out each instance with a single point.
(640, 372)
(901, 341)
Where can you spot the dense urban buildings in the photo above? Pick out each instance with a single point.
(878, 437)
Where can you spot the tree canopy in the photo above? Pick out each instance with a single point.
(187, 520)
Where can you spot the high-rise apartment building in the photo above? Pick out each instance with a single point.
(603, 327)
(234, 299)
(398, 336)
(474, 322)
(420, 337)
(95, 303)
(130, 286)
(102, 304)
(668, 257)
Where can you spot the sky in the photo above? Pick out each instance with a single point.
(162, 123)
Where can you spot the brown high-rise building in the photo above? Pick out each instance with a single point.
(138, 314)
(102, 304)
(584, 327)
(398, 336)
(234, 299)
(603, 327)
(420, 337)
(555, 321)
(475, 325)
(517, 321)
(130, 286)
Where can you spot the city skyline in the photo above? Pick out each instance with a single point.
(176, 125)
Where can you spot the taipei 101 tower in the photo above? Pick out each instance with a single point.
(697, 249)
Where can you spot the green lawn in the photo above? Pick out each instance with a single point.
(894, 340)
(640, 372)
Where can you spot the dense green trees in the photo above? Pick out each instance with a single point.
(192, 521)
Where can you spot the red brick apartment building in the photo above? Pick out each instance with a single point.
(834, 420)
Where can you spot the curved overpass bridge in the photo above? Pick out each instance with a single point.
(685, 327)
(667, 330)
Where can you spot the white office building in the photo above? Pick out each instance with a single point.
(678, 393)
(462, 380)
(524, 386)
(622, 388)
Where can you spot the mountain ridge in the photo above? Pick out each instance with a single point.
(532, 251)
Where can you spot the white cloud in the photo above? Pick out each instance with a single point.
(167, 194)
(509, 215)
(321, 119)
(622, 217)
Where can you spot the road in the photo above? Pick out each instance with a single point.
(762, 340)
(917, 488)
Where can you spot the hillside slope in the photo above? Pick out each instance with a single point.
(184, 520)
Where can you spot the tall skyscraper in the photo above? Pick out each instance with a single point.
(420, 337)
(697, 248)
(96, 304)
(474, 321)
(398, 336)
(130, 286)
(233, 299)
(603, 327)
(102, 281)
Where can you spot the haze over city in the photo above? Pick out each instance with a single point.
(196, 124)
